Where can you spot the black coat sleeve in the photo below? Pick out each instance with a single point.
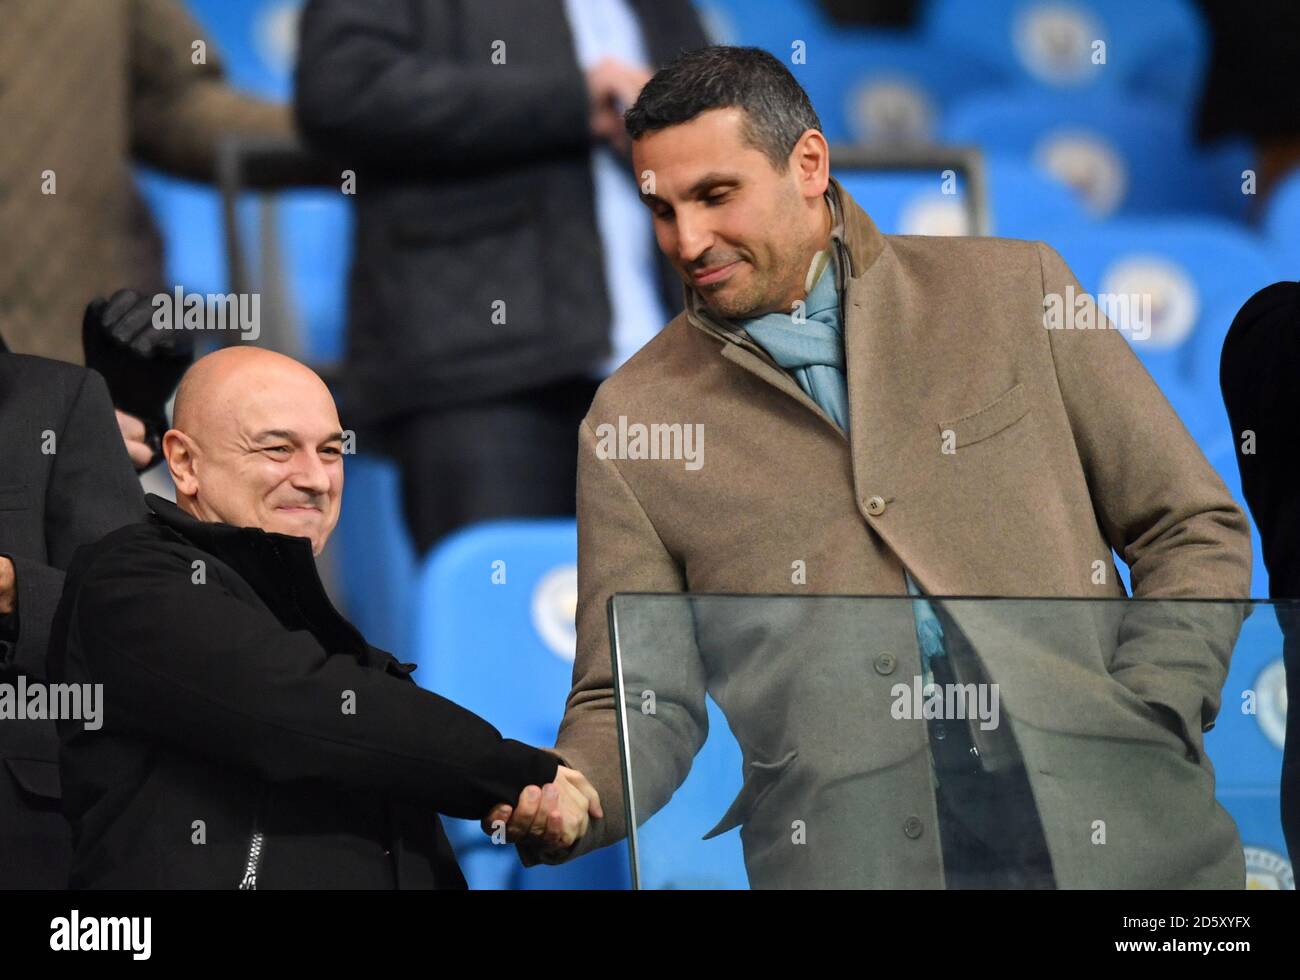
(363, 87)
(201, 668)
(92, 489)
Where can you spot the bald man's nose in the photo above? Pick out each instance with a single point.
(310, 473)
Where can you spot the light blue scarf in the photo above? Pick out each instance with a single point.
(811, 347)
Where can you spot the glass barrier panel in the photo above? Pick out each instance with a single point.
(886, 742)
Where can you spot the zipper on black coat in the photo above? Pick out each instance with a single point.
(256, 846)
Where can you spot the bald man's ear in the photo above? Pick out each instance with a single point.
(179, 450)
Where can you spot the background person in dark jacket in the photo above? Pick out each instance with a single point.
(503, 263)
(1258, 372)
(65, 481)
(250, 736)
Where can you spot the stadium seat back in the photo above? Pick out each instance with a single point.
(494, 632)
(1024, 202)
(374, 555)
(1124, 156)
(1282, 224)
(1194, 275)
(1156, 49)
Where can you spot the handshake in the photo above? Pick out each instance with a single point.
(549, 820)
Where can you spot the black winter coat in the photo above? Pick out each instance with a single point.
(65, 481)
(250, 736)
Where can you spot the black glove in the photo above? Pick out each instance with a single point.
(141, 364)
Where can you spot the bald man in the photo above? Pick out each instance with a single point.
(248, 736)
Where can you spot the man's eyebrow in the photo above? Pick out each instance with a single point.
(266, 434)
(697, 189)
(291, 436)
(711, 180)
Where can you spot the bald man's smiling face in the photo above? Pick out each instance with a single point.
(258, 443)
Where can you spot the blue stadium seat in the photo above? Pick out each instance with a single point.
(374, 554)
(1023, 201)
(188, 216)
(1027, 203)
(315, 229)
(1246, 747)
(1282, 224)
(1125, 155)
(494, 632)
(1198, 274)
(875, 88)
(1255, 811)
(773, 25)
(1156, 49)
(672, 852)
(867, 86)
(256, 39)
(805, 41)
(906, 202)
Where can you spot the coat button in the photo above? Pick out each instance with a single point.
(912, 827)
(885, 664)
(875, 506)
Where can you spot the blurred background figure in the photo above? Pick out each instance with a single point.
(87, 88)
(1253, 84)
(1260, 370)
(503, 263)
(65, 481)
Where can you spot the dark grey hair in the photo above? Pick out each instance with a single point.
(777, 109)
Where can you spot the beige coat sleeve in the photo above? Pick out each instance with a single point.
(620, 551)
(180, 110)
(1165, 512)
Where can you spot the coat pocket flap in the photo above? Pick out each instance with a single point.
(759, 777)
(1007, 408)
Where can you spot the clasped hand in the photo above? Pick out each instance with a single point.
(549, 820)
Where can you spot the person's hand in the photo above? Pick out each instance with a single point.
(136, 438)
(612, 87)
(8, 586)
(619, 81)
(140, 364)
(548, 820)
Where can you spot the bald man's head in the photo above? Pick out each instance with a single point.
(256, 442)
